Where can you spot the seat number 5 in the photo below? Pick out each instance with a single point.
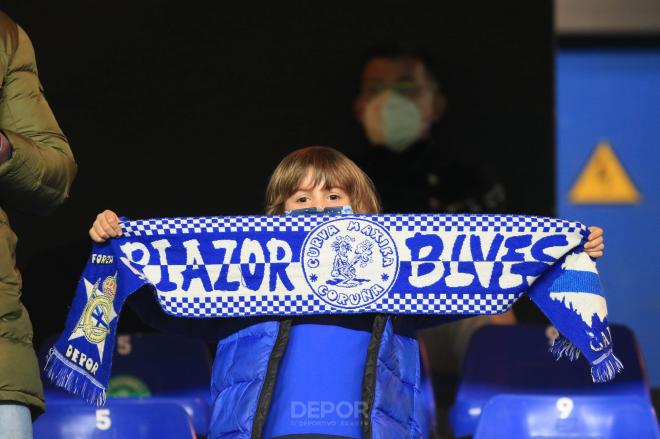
(103, 421)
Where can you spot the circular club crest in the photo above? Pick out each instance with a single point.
(349, 262)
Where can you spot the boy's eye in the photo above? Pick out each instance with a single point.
(302, 199)
(334, 197)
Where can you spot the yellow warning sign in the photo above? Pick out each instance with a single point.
(604, 180)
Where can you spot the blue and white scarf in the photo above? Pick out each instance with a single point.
(214, 267)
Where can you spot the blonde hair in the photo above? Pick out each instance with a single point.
(328, 167)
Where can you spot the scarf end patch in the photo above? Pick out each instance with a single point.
(71, 378)
(605, 369)
(564, 347)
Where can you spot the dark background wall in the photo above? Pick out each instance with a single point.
(184, 108)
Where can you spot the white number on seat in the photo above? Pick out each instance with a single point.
(565, 407)
(103, 421)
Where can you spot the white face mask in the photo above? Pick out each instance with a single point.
(393, 121)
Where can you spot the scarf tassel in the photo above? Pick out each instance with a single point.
(71, 378)
(606, 369)
(564, 347)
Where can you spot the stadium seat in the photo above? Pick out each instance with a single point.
(515, 359)
(120, 418)
(545, 416)
(164, 366)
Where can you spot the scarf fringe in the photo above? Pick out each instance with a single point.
(72, 379)
(564, 347)
(606, 369)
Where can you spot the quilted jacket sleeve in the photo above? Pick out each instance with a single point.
(41, 169)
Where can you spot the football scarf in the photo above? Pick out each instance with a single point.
(215, 267)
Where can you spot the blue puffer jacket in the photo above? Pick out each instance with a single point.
(248, 356)
(245, 372)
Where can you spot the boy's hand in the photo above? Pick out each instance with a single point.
(595, 242)
(105, 226)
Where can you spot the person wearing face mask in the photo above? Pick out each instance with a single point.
(400, 107)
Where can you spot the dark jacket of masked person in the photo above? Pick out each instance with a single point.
(35, 178)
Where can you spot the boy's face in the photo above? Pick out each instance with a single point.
(317, 197)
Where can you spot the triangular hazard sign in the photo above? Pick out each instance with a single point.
(604, 180)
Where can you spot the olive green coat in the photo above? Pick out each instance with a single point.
(36, 178)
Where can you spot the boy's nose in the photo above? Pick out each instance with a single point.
(319, 204)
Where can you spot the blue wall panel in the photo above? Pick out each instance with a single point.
(614, 96)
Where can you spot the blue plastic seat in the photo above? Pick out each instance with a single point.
(169, 367)
(120, 418)
(515, 359)
(544, 416)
